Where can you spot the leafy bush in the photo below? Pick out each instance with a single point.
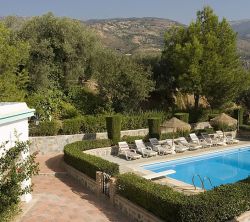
(113, 124)
(174, 135)
(154, 128)
(221, 204)
(13, 172)
(140, 120)
(47, 128)
(202, 115)
(245, 127)
(68, 111)
(131, 139)
(238, 114)
(93, 124)
(205, 130)
(71, 126)
(97, 123)
(224, 127)
(182, 116)
(86, 163)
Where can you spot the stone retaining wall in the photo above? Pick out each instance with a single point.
(133, 211)
(47, 144)
(82, 178)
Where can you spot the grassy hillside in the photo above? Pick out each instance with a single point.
(132, 35)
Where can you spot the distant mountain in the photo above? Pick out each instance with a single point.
(132, 35)
(242, 27)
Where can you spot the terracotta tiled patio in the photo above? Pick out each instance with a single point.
(60, 198)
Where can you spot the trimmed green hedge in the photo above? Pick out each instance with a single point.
(154, 128)
(131, 139)
(86, 163)
(239, 112)
(96, 123)
(245, 127)
(113, 125)
(220, 204)
(71, 126)
(46, 128)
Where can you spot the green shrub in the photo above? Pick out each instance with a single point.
(154, 128)
(182, 116)
(113, 124)
(202, 115)
(224, 127)
(86, 163)
(245, 127)
(93, 124)
(220, 204)
(71, 126)
(206, 130)
(68, 111)
(238, 114)
(174, 135)
(131, 139)
(48, 128)
(140, 120)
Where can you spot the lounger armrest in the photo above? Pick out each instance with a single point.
(148, 148)
(133, 150)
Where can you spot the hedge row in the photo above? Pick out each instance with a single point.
(93, 124)
(86, 163)
(245, 127)
(220, 204)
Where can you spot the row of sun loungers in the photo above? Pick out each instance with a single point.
(171, 146)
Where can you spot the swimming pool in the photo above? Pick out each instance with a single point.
(221, 167)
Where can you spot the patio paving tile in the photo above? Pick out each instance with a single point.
(61, 198)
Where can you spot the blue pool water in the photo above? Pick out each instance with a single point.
(221, 167)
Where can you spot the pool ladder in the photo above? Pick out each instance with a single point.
(202, 181)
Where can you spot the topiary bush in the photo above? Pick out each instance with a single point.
(71, 126)
(86, 163)
(154, 128)
(239, 114)
(182, 116)
(113, 124)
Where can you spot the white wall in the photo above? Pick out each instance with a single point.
(7, 133)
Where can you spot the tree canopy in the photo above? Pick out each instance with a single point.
(61, 49)
(202, 60)
(13, 58)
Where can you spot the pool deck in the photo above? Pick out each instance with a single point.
(135, 166)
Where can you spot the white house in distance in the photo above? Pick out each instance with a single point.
(14, 118)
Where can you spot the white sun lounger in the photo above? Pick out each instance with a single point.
(226, 138)
(160, 174)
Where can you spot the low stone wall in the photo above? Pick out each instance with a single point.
(133, 211)
(82, 178)
(47, 144)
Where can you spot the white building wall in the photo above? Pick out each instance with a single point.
(8, 132)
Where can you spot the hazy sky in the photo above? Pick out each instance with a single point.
(180, 10)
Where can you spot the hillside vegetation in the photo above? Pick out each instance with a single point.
(133, 35)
